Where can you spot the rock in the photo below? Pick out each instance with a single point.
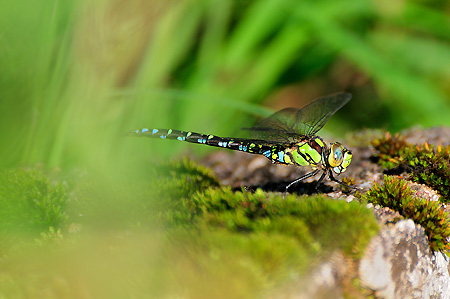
(436, 135)
(325, 281)
(399, 264)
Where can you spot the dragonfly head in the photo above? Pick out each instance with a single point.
(339, 158)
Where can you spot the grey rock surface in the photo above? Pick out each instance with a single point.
(399, 264)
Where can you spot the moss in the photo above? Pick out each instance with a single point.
(188, 175)
(426, 163)
(396, 195)
(314, 222)
(51, 236)
(333, 224)
(263, 239)
(220, 259)
(390, 149)
(430, 165)
(349, 181)
(29, 202)
(176, 180)
(172, 185)
(260, 238)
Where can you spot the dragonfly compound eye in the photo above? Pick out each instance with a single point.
(336, 155)
(345, 157)
(346, 160)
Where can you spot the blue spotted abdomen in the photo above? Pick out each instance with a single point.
(243, 145)
(307, 152)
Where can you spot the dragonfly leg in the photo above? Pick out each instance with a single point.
(330, 175)
(320, 180)
(308, 175)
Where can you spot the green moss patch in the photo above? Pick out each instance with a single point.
(389, 149)
(30, 202)
(185, 178)
(316, 223)
(396, 195)
(170, 188)
(225, 237)
(333, 224)
(264, 239)
(427, 164)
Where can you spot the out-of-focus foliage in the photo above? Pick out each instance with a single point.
(29, 202)
(75, 75)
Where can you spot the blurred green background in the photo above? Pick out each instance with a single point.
(75, 76)
(77, 198)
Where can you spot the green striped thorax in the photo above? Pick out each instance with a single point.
(314, 152)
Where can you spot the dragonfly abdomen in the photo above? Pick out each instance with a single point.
(237, 144)
(191, 137)
(306, 152)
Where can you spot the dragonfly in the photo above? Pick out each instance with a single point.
(286, 137)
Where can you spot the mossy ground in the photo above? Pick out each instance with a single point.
(395, 194)
(30, 202)
(426, 164)
(175, 233)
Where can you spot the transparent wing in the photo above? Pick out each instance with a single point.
(278, 127)
(290, 124)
